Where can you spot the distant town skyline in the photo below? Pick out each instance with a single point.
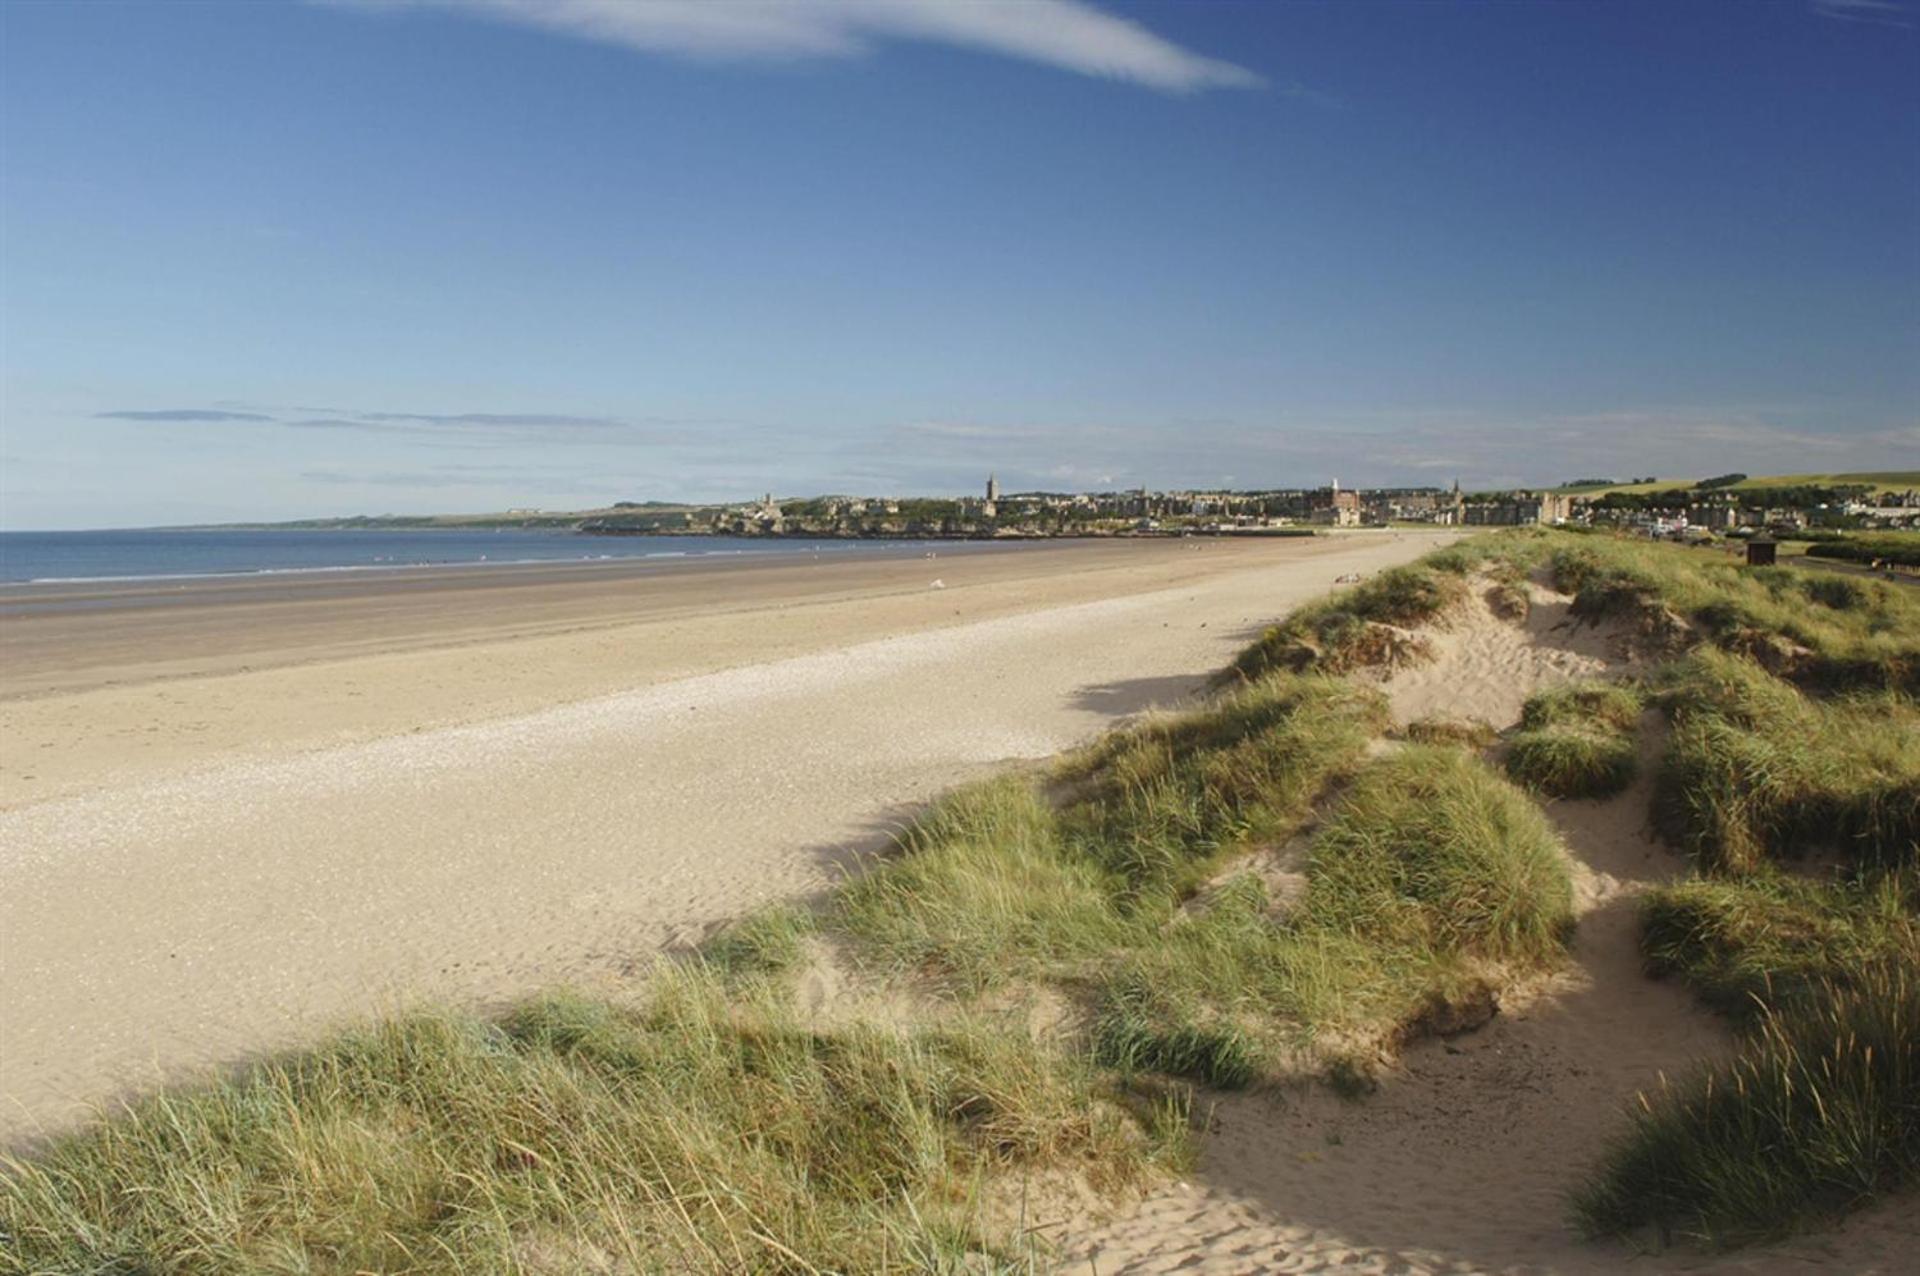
(266, 262)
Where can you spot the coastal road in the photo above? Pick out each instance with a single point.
(163, 909)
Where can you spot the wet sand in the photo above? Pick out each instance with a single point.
(232, 818)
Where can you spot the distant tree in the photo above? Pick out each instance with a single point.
(1721, 480)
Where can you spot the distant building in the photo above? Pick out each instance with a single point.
(992, 505)
(1336, 515)
(1345, 504)
(1518, 509)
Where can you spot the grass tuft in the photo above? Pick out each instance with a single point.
(1755, 769)
(1817, 1115)
(1827, 633)
(1768, 938)
(1364, 627)
(1568, 762)
(1432, 852)
(1158, 806)
(1139, 1030)
(699, 1132)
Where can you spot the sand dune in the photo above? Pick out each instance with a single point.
(1462, 1161)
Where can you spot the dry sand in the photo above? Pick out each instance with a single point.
(232, 814)
(1462, 1161)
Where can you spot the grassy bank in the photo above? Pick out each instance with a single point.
(1133, 894)
(1824, 632)
(1577, 741)
(1815, 1117)
(1791, 778)
(704, 1129)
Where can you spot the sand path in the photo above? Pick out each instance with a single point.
(157, 923)
(1462, 1160)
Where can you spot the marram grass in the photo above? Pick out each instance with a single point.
(701, 1132)
(1431, 871)
(1817, 1115)
(1792, 778)
(1771, 938)
(1756, 770)
(1572, 762)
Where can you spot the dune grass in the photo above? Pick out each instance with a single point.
(1432, 879)
(1791, 777)
(997, 883)
(1158, 805)
(1609, 706)
(1577, 741)
(1818, 1114)
(1430, 873)
(1824, 632)
(1768, 938)
(1430, 853)
(982, 892)
(1568, 762)
(1362, 627)
(1168, 882)
(1365, 626)
(700, 1131)
(1755, 769)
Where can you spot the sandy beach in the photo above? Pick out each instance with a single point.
(233, 814)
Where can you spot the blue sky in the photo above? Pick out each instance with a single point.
(276, 260)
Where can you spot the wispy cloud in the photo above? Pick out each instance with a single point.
(179, 415)
(1887, 13)
(1072, 35)
(510, 420)
(511, 481)
(444, 424)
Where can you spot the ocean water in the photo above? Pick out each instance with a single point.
(37, 557)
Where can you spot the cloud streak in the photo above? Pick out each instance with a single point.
(509, 420)
(1072, 35)
(179, 415)
(1886, 13)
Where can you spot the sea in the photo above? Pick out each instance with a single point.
(76, 557)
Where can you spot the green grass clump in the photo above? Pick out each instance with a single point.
(1819, 1114)
(1357, 629)
(1567, 762)
(1141, 1029)
(1577, 741)
(1768, 938)
(693, 1134)
(995, 883)
(1431, 873)
(1432, 852)
(1861, 635)
(1608, 706)
(1754, 768)
(984, 890)
(760, 945)
(1362, 627)
(1158, 805)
